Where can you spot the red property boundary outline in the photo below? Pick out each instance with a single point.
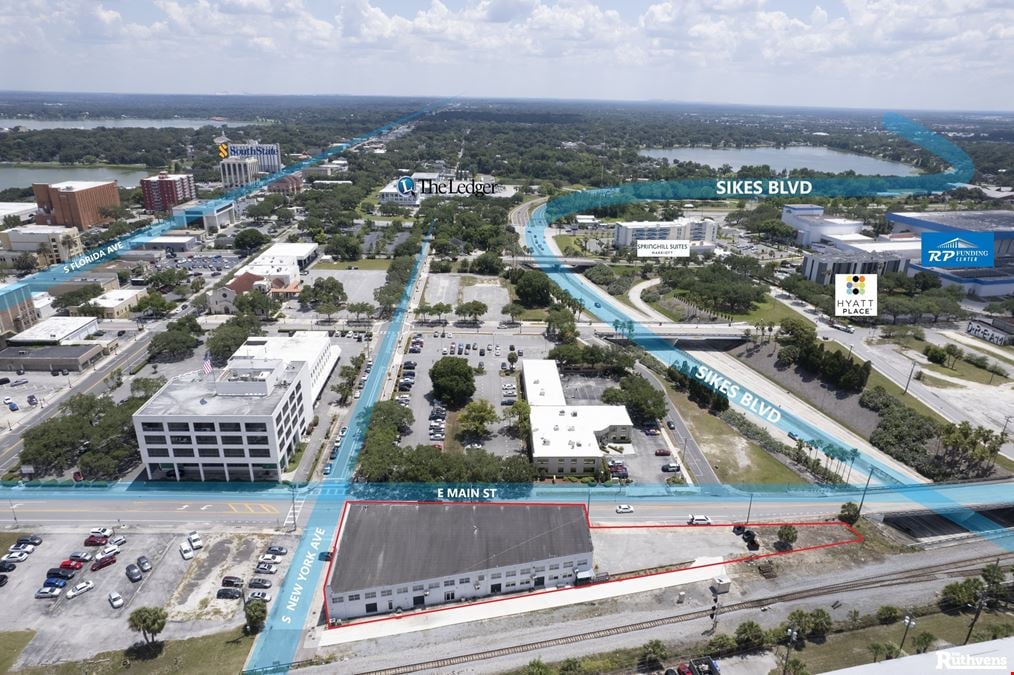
(857, 539)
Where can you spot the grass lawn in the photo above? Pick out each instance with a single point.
(11, 645)
(1002, 360)
(364, 264)
(213, 654)
(936, 382)
(670, 308)
(843, 650)
(712, 433)
(769, 310)
(879, 379)
(1005, 463)
(451, 442)
(8, 539)
(966, 371)
(565, 240)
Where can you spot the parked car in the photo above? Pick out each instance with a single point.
(96, 540)
(33, 539)
(229, 594)
(186, 552)
(16, 557)
(7, 567)
(662, 452)
(48, 593)
(111, 549)
(33, 399)
(266, 568)
(54, 582)
(101, 532)
(115, 599)
(671, 467)
(26, 548)
(328, 468)
(258, 582)
(271, 559)
(277, 550)
(670, 424)
(80, 556)
(133, 572)
(118, 540)
(624, 508)
(82, 587)
(103, 562)
(698, 520)
(260, 595)
(195, 540)
(144, 563)
(60, 573)
(232, 582)
(18, 383)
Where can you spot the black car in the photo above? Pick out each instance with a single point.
(60, 573)
(144, 563)
(229, 594)
(7, 567)
(334, 453)
(258, 582)
(404, 387)
(3, 579)
(670, 424)
(277, 550)
(133, 572)
(32, 539)
(408, 365)
(738, 530)
(232, 582)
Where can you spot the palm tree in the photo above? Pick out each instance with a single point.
(877, 649)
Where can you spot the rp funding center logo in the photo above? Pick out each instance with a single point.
(855, 295)
(958, 249)
(405, 185)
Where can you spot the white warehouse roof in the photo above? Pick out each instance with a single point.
(542, 382)
(569, 430)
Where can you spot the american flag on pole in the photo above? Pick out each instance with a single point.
(206, 366)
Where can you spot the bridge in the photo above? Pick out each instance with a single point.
(544, 260)
(678, 331)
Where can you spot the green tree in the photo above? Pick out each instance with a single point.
(849, 513)
(876, 649)
(722, 644)
(344, 247)
(256, 612)
(227, 338)
(172, 345)
(11, 220)
(145, 387)
(476, 417)
(148, 621)
(820, 622)
(788, 534)
(749, 634)
(521, 411)
(800, 619)
(249, 240)
(644, 403)
(534, 289)
(994, 576)
(258, 303)
(361, 308)
(537, 667)
(795, 666)
(513, 310)
(453, 381)
(154, 304)
(25, 262)
(512, 358)
(960, 595)
(654, 653)
(923, 641)
(888, 614)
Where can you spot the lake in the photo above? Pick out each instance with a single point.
(22, 176)
(796, 157)
(120, 123)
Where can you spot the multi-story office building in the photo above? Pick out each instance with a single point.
(214, 213)
(242, 422)
(821, 267)
(17, 311)
(238, 171)
(812, 225)
(703, 230)
(75, 203)
(50, 244)
(166, 190)
(268, 155)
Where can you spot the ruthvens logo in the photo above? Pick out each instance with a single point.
(406, 185)
(957, 249)
(855, 295)
(960, 661)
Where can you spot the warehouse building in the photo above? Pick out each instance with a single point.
(57, 330)
(177, 243)
(24, 211)
(73, 358)
(242, 422)
(393, 557)
(812, 225)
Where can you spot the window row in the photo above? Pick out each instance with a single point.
(210, 452)
(204, 426)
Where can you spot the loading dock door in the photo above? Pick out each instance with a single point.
(419, 601)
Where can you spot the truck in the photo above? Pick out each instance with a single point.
(704, 665)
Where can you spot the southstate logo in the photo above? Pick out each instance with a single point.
(223, 150)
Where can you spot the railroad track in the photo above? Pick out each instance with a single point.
(964, 567)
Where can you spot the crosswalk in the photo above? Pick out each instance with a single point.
(292, 516)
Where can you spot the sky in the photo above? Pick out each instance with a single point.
(897, 54)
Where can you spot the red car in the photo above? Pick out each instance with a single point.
(71, 565)
(662, 452)
(103, 562)
(96, 540)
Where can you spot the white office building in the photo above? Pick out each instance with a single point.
(701, 231)
(268, 155)
(56, 330)
(394, 557)
(238, 171)
(812, 225)
(217, 213)
(568, 439)
(242, 422)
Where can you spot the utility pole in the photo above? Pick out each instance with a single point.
(909, 623)
(909, 381)
(14, 513)
(863, 500)
(980, 603)
(792, 634)
(749, 510)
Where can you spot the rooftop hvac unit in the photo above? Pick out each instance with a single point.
(545, 441)
(573, 413)
(570, 428)
(556, 427)
(562, 412)
(535, 381)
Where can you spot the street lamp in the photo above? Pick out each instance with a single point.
(909, 623)
(14, 513)
(792, 634)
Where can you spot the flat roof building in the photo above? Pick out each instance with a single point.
(23, 210)
(241, 422)
(217, 213)
(701, 230)
(116, 304)
(822, 266)
(74, 358)
(541, 381)
(238, 171)
(303, 253)
(75, 203)
(166, 190)
(397, 557)
(57, 330)
(812, 225)
(178, 243)
(50, 244)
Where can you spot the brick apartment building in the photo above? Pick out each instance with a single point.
(74, 203)
(166, 190)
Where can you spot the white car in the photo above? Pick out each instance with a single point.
(260, 595)
(116, 600)
(118, 540)
(112, 549)
(101, 532)
(186, 551)
(82, 587)
(195, 541)
(16, 557)
(270, 559)
(8, 400)
(624, 508)
(24, 548)
(698, 520)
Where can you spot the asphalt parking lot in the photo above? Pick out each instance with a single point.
(442, 288)
(630, 550)
(359, 284)
(488, 386)
(71, 628)
(488, 291)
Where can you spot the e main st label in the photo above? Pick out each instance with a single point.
(466, 493)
